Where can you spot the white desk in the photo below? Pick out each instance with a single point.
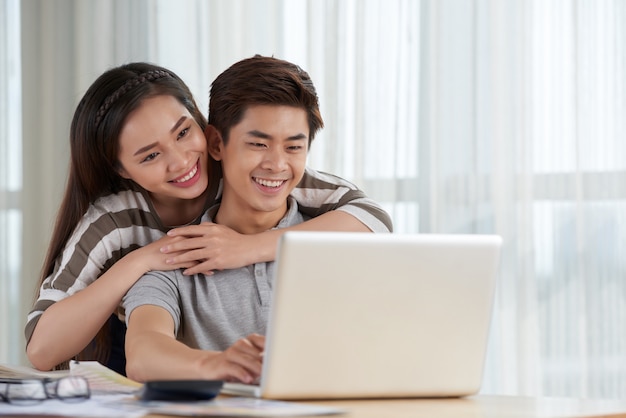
(481, 406)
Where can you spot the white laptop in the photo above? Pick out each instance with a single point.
(360, 315)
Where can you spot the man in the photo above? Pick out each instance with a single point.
(263, 115)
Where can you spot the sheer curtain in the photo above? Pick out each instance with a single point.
(10, 176)
(497, 117)
(547, 99)
(483, 116)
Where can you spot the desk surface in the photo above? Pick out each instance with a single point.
(481, 406)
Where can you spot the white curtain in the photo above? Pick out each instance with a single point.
(483, 116)
(10, 177)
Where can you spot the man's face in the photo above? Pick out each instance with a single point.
(263, 161)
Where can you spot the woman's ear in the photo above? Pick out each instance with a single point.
(122, 171)
(214, 142)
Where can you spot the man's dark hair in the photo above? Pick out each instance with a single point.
(261, 81)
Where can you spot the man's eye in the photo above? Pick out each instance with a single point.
(257, 144)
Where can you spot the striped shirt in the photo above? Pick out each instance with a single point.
(117, 224)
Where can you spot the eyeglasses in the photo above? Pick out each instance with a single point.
(33, 391)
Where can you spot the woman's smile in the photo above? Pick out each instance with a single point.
(188, 179)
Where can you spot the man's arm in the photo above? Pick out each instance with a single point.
(152, 352)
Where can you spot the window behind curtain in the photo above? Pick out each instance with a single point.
(10, 180)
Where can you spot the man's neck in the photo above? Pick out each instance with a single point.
(247, 221)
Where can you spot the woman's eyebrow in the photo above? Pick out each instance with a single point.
(144, 149)
(178, 123)
(174, 128)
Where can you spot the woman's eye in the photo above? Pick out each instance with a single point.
(150, 157)
(183, 133)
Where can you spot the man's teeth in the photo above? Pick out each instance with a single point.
(188, 176)
(269, 183)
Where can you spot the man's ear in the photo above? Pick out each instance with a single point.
(214, 142)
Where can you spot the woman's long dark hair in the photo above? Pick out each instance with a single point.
(94, 143)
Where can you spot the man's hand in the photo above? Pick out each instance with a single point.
(241, 362)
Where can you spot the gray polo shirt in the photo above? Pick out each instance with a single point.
(212, 312)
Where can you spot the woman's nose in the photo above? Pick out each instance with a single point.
(178, 158)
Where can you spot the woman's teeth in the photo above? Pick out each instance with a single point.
(188, 176)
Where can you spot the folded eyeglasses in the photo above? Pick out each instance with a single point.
(33, 391)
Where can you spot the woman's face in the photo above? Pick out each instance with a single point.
(164, 150)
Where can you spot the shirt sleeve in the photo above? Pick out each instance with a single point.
(107, 232)
(158, 288)
(320, 192)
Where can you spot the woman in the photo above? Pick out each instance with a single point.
(122, 205)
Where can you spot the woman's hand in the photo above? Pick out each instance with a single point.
(152, 258)
(211, 246)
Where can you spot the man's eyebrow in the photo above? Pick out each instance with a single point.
(258, 134)
(297, 137)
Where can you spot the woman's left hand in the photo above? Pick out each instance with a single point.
(213, 246)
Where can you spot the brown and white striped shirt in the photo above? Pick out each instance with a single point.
(117, 224)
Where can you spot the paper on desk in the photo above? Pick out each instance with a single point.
(228, 407)
(22, 372)
(97, 406)
(107, 387)
(103, 380)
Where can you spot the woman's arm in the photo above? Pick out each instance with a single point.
(320, 193)
(219, 247)
(263, 246)
(333, 203)
(152, 352)
(66, 327)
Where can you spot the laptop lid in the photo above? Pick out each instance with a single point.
(358, 315)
